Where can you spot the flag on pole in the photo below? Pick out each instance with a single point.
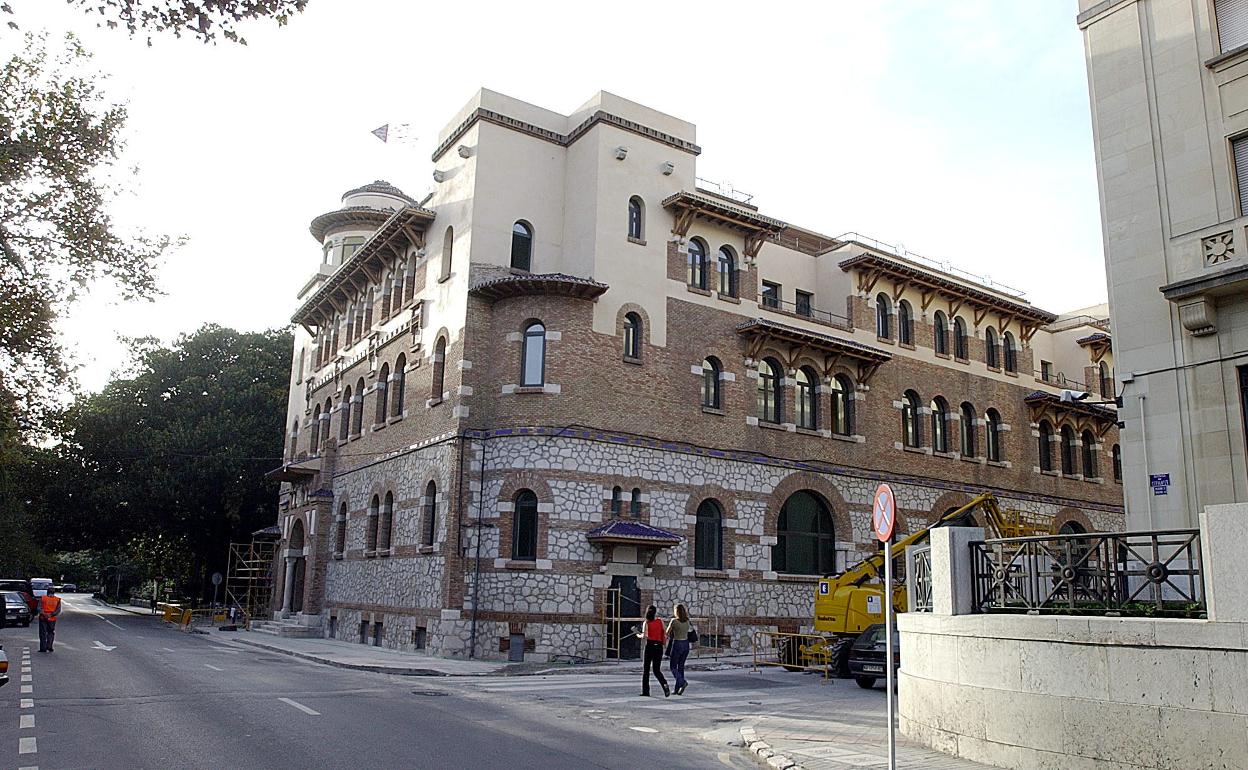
(382, 133)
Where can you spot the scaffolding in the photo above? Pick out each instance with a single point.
(249, 581)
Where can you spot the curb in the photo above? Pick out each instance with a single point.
(372, 668)
(764, 753)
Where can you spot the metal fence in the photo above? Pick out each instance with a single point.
(919, 572)
(795, 652)
(1155, 573)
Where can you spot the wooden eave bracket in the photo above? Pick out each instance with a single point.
(980, 313)
(866, 371)
(926, 296)
(899, 288)
(867, 279)
(683, 221)
(1026, 331)
(754, 243)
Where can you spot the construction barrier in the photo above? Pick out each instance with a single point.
(794, 652)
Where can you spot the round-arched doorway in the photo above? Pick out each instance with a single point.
(298, 566)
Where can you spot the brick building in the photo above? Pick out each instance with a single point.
(575, 373)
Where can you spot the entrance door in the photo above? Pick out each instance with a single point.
(296, 591)
(622, 616)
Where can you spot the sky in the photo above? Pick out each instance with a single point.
(959, 130)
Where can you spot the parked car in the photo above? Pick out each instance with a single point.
(70, 588)
(21, 586)
(867, 656)
(16, 611)
(4, 667)
(40, 586)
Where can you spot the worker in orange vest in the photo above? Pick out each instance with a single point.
(49, 611)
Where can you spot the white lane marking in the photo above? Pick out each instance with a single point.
(28, 689)
(29, 767)
(300, 706)
(28, 703)
(28, 678)
(27, 721)
(225, 649)
(643, 729)
(98, 645)
(168, 649)
(114, 625)
(214, 668)
(27, 746)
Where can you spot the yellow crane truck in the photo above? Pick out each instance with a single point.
(846, 604)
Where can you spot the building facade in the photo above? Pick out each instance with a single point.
(576, 380)
(1169, 90)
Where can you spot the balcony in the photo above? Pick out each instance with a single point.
(805, 310)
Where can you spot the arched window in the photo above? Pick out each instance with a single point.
(636, 218)
(314, 437)
(804, 538)
(396, 296)
(697, 263)
(807, 402)
(1046, 446)
(708, 536)
(1011, 352)
(770, 392)
(370, 535)
(940, 333)
(1107, 382)
(883, 321)
(1068, 450)
(993, 435)
(448, 250)
(1088, 445)
(1116, 454)
(632, 336)
(727, 272)
(521, 246)
(340, 530)
(967, 430)
(905, 323)
(960, 346)
(991, 355)
(400, 380)
(841, 418)
(617, 502)
(1071, 528)
(634, 504)
(710, 383)
(383, 385)
(327, 417)
(524, 527)
(344, 420)
(431, 514)
(294, 440)
(533, 357)
(385, 528)
(438, 387)
(911, 432)
(940, 417)
(357, 408)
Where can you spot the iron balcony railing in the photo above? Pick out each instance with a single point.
(804, 310)
(919, 577)
(1156, 573)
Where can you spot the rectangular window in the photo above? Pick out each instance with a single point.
(349, 245)
(804, 302)
(771, 294)
(1239, 148)
(1232, 19)
(1046, 371)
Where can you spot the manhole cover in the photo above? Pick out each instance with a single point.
(429, 693)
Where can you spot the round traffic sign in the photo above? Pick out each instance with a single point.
(884, 512)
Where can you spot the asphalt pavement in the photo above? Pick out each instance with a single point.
(127, 692)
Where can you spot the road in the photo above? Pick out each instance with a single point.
(126, 692)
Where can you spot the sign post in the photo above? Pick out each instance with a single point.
(883, 520)
(216, 582)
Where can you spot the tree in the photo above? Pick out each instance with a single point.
(176, 452)
(59, 141)
(201, 20)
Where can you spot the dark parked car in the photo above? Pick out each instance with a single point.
(16, 611)
(21, 586)
(866, 658)
(70, 588)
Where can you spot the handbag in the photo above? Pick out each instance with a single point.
(693, 635)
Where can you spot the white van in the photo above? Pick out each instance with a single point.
(40, 586)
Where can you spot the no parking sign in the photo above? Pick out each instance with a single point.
(883, 521)
(884, 513)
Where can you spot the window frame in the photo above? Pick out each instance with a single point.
(940, 333)
(911, 427)
(967, 430)
(772, 295)
(695, 268)
(1010, 350)
(905, 323)
(991, 353)
(381, 389)
(529, 337)
(522, 250)
(524, 524)
(770, 396)
(940, 424)
(448, 253)
(636, 219)
(632, 335)
(429, 527)
(708, 535)
(726, 270)
(824, 539)
(1066, 435)
(961, 343)
(804, 303)
(806, 399)
(1045, 446)
(992, 437)
(712, 396)
(883, 317)
(1088, 458)
(841, 418)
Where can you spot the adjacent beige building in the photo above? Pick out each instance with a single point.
(1169, 92)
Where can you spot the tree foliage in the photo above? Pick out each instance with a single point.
(201, 20)
(59, 141)
(171, 459)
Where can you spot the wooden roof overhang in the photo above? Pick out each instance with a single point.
(1098, 345)
(556, 284)
(350, 215)
(367, 266)
(932, 284)
(1098, 419)
(621, 532)
(806, 241)
(298, 470)
(689, 206)
(799, 342)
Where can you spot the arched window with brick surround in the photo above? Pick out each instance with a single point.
(385, 527)
(911, 431)
(524, 527)
(431, 514)
(805, 541)
(370, 534)
(708, 534)
(770, 391)
(382, 388)
(438, 386)
(841, 417)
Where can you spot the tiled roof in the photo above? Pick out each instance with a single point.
(347, 215)
(379, 186)
(273, 531)
(1037, 396)
(724, 211)
(815, 339)
(538, 283)
(1094, 337)
(621, 529)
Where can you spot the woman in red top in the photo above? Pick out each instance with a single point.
(653, 657)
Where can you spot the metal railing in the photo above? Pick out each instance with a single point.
(1154, 573)
(804, 311)
(794, 652)
(1063, 380)
(919, 578)
(944, 266)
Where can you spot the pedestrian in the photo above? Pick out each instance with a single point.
(49, 611)
(678, 647)
(652, 658)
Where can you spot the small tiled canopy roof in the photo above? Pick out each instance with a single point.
(273, 531)
(827, 342)
(379, 186)
(1091, 410)
(559, 284)
(1091, 338)
(631, 532)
